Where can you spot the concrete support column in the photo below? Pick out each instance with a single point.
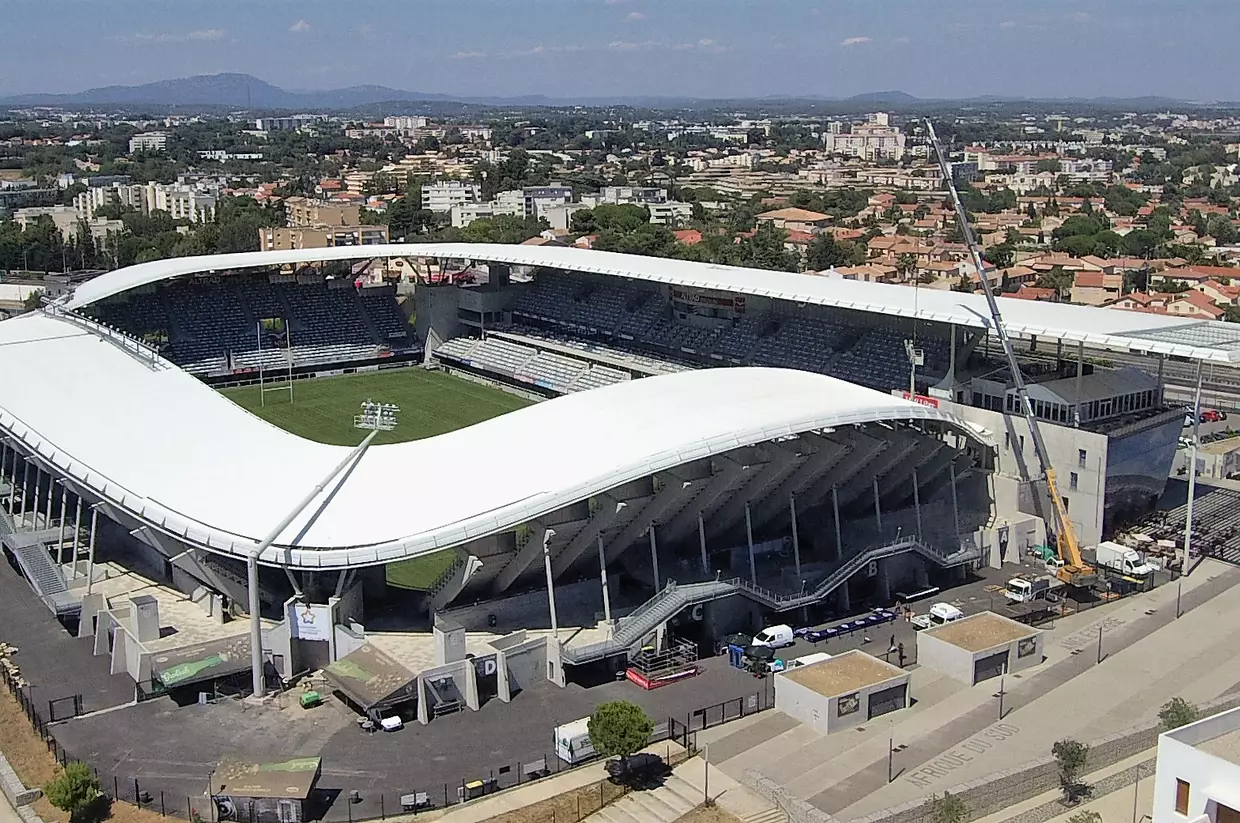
(77, 534)
(884, 580)
(844, 599)
(951, 360)
(60, 540)
(702, 545)
(878, 510)
(38, 480)
(51, 493)
(21, 517)
(955, 501)
(917, 502)
(13, 484)
(835, 508)
(502, 687)
(753, 568)
(796, 538)
(1080, 367)
(424, 715)
(470, 675)
(1162, 361)
(654, 557)
(257, 682)
(555, 626)
(90, 550)
(602, 567)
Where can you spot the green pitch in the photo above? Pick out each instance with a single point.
(430, 403)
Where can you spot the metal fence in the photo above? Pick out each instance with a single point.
(334, 804)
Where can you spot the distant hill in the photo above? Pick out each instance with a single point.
(885, 97)
(243, 91)
(232, 90)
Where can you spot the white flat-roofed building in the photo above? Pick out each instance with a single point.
(1197, 778)
(441, 197)
(149, 141)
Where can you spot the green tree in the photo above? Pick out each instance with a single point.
(73, 789)
(1085, 816)
(1177, 711)
(906, 264)
(619, 729)
(824, 253)
(1058, 279)
(33, 300)
(503, 228)
(1050, 165)
(950, 808)
(1072, 756)
(1002, 255)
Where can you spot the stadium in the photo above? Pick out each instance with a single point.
(615, 443)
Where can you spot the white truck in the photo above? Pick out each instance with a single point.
(1026, 590)
(572, 741)
(939, 614)
(1121, 559)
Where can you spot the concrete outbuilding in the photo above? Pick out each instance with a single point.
(845, 691)
(979, 647)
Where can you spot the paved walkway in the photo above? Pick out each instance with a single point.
(1146, 661)
(7, 813)
(518, 798)
(1115, 807)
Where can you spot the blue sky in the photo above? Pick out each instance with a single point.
(712, 48)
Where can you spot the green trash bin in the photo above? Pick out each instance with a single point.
(310, 699)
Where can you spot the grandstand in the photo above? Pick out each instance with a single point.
(732, 431)
(217, 326)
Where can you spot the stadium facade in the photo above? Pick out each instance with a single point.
(767, 474)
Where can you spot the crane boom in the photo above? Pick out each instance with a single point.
(1074, 569)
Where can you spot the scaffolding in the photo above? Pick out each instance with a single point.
(652, 668)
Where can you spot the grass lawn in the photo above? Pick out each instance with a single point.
(430, 403)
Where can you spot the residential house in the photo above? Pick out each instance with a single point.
(1222, 295)
(1033, 293)
(1195, 304)
(794, 219)
(1096, 288)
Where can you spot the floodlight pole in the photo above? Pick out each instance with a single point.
(251, 564)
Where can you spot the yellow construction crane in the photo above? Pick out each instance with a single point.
(1072, 568)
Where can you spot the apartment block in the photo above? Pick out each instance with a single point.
(320, 237)
(149, 141)
(441, 197)
(307, 213)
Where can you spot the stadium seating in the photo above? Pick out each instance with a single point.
(636, 317)
(212, 325)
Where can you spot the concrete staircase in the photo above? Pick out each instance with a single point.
(666, 804)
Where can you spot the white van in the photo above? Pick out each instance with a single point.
(572, 741)
(774, 637)
(939, 614)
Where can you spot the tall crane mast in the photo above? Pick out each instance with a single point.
(1074, 570)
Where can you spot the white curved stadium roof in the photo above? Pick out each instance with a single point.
(1107, 328)
(176, 455)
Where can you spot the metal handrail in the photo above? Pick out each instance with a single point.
(126, 343)
(674, 597)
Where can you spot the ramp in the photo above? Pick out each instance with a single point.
(674, 598)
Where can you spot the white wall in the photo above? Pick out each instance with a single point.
(1085, 503)
(801, 703)
(1211, 779)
